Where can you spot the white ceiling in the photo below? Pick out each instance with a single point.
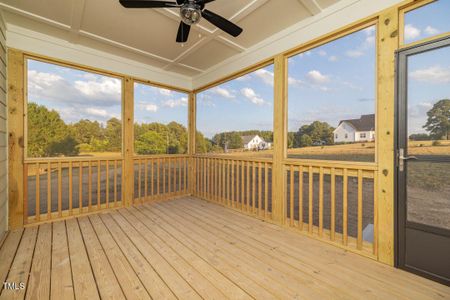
(148, 35)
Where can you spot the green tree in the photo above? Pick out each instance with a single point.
(438, 123)
(318, 132)
(151, 142)
(202, 144)
(85, 130)
(113, 134)
(47, 133)
(305, 141)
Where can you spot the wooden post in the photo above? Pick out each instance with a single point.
(279, 139)
(388, 43)
(192, 127)
(16, 139)
(128, 141)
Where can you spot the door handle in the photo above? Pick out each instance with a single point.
(402, 158)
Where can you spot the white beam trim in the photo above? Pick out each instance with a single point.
(76, 18)
(312, 6)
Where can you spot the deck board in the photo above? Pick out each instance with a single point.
(190, 249)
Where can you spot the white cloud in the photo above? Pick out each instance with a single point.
(151, 107)
(98, 112)
(354, 53)
(294, 81)
(322, 53)
(411, 32)
(370, 40)
(431, 30)
(165, 92)
(265, 76)
(435, 74)
(223, 92)
(172, 103)
(316, 77)
(333, 58)
(369, 31)
(99, 87)
(251, 95)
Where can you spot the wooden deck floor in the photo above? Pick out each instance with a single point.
(191, 249)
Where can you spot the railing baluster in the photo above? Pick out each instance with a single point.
(145, 179)
(115, 183)
(259, 189)
(49, 190)
(232, 184)
(300, 197)
(375, 214)
(310, 205)
(360, 210)
(70, 187)
(253, 187)
(291, 196)
(333, 204)
(25, 193)
(321, 201)
(158, 174)
(266, 189)
(80, 187)
(38, 195)
(99, 174)
(90, 186)
(107, 183)
(345, 208)
(59, 189)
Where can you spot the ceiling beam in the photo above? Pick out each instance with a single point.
(76, 19)
(312, 6)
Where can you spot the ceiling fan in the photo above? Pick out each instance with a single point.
(191, 11)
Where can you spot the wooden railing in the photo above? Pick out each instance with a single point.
(336, 202)
(239, 183)
(160, 177)
(57, 188)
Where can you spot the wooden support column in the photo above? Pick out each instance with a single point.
(128, 141)
(16, 139)
(279, 140)
(192, 128)
(388, 43)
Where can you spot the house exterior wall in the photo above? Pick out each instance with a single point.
(344, 133)
(253, 144)
(369, 136)
(3, 134)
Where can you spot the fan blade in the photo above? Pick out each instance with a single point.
(222, 23)
(207, 1)
(183, 32)
(146, 4)
(179, 2)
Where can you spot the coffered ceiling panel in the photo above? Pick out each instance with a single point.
(210, 54)
(269, 19)
(147, 36)
(56, 10)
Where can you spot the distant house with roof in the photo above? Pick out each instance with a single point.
(255, 142)
(355, 130)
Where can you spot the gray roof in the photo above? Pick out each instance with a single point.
(365, 123)
(247, 138)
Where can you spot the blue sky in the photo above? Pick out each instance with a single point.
(428, 73)
(244, 103)
(426, 21)
(74, 94)
(153, 104)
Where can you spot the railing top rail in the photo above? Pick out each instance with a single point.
(353, 165)
(236, 158)
(71, 159)
(156, 156)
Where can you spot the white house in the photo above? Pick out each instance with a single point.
(255, 142)
(356, 130)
